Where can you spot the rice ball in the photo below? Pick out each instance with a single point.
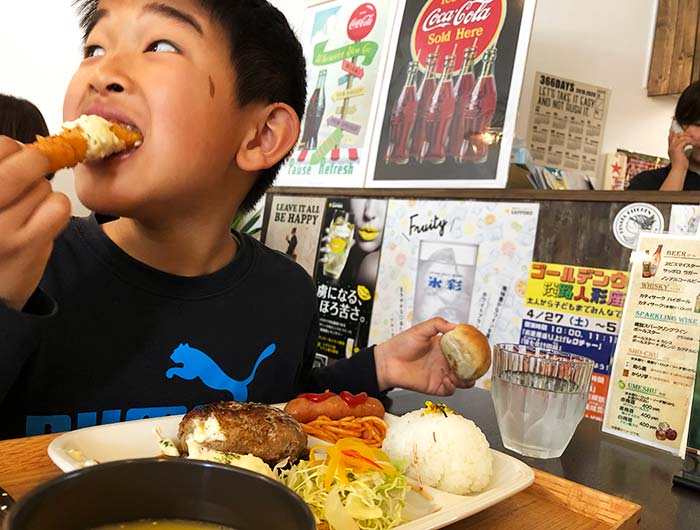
(441, 449)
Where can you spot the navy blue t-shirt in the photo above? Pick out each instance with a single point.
(107, 338)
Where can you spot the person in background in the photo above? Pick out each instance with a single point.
(683, 173)
(21, 120)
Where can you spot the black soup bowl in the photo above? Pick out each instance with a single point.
(160, 488)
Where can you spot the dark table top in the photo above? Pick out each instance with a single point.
(593, 458)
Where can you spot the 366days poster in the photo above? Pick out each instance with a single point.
(451, 102)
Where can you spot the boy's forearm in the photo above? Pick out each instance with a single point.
(357, 374)
(20, 336)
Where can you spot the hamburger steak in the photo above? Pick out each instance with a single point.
(245, 428)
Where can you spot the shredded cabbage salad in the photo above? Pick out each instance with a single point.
(353, 488)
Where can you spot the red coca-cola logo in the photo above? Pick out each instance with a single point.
(362, 22)
(449, 27)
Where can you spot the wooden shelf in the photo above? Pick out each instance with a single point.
(654, 197)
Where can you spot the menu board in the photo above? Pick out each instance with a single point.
(450, 104)
(576, 310)
(654, 366)
(465, 261)
(567, 120)
(294, 228)
(346, 275)
(346, 44)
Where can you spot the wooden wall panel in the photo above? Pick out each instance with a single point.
(695, 76)
(580, 233)
(683, 46)
(569, 231)
(662, 55)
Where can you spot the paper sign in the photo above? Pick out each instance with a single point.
(567, 120)
(654, 368)
(576, 310)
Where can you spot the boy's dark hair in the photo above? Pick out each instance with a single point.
(688, 106)
(22, 120)
(266, 55)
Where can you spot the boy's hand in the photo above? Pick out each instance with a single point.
(413, 360)
(31, 216)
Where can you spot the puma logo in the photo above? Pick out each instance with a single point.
(196, 363)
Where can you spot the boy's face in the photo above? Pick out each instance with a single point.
(165, 68)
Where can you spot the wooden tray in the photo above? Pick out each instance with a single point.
(551, 503)
(554, 503)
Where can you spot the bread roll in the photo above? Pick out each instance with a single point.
(467, 351)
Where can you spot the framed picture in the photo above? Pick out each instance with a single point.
(346, 44)
(449, 103)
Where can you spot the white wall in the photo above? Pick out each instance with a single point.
(602, 42)
(40, 49)
(605, 43)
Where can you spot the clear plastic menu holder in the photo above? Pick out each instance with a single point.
(689, 476)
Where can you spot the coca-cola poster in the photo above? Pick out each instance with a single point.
(346, 48)
(450, 105)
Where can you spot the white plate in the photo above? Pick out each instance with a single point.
(135, 439)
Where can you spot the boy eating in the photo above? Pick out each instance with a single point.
(153, 306)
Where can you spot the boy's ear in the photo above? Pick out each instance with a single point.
(274, 135)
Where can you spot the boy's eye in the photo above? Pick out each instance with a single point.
(162, 46)
(93, 51)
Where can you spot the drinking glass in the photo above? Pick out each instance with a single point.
(540, 397)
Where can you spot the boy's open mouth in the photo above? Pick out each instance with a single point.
(129, 151)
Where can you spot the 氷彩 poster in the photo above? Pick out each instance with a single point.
(465, 261)
(346, 48)
(451, 101)
(294, 227)
(346, 273)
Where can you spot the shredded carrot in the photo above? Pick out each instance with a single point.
(350, 455)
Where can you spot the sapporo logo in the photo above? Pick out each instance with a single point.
(635, 218)
(450, 28)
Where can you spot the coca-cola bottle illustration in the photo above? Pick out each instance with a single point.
(478, 113)
(314, 113)
(425, 96)
(403, 116)
(463, 92)
(439, 116)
